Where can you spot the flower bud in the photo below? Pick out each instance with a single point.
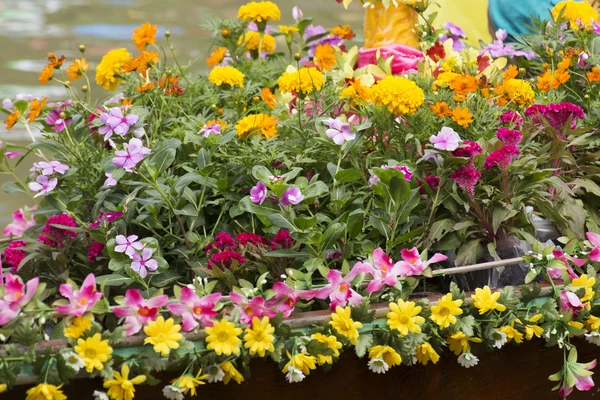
(82, 48)
(62, 115)
(214, 106)
(297, 57)
(297, 13)
(256, 99)
(167, 34)
(225, 32)
(220, 112)
(84, 88)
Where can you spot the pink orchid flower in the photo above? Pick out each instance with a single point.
(137, 311)
(594, 239)
(286, 298)
(194, 308)
(82, 300)
(20, 223)
(249, 309)
(16, 296)
(570, 301)
(556, 273)
(583, 378)
(339, 290)
(412, 263)
(383, 271)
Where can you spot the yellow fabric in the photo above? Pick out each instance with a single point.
(470, 15)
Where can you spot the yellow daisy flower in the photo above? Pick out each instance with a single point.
(43, 391)
(512, 333)
(94, 351)
(387, 354)
(301, 361)
(330, 342)
(444, 313)
(189, 383)
(78, 326)
(259, 338)
(223, 338)
(404, 317)
(345, 326)
(485, 301)
(231, 373)
(426, 353)
(163, 335)
(459, 342)
(121, 387)
(588, 284)
(3, 387)
(288, 29)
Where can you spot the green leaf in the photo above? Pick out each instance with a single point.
(315, 189)
(362, 313)
(203, 159)
(465, 325)
(501, 214)
(286, 253)
(261, 173)
(469, 253)
(113, 280)
(399, 190)
(12, 187)
(380, 225)
(101, 307)
(281, 222)
(355, 222)
(166, 278)
(304, 223)
(164, 155)
(332, 234)
(438, 230)
(528, 294)
(348, 175)
(362, 345)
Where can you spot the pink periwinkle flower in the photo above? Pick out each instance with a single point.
(246, 238)
(258, 193)
(282, 240)
(114, 122)
(134, 153)
(54, 236)
(49, 168)
(468, 149)
(43, 185)
(105, 217)
(110, 181)
(195, 310)
(250, 308)
(213, 129)
(225, 259)
(339, 290)
(447, 139)
(466, 178)
(511, 118)
(412, 264)
(223, 241)
(128, 245)
(570, 301)
(13, 154)
(16, 296)
(594, 239)
(502, 157)
(94, 251)
(80, 301)
(291, 196)
(582, 59)
(20, 223)
(509, 137)
(56, 122)
(137, 311)
(340, 132)
(142, 263)
(13, 255)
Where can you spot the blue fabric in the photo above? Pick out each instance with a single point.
(512, 15)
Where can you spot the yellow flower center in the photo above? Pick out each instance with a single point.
(83, 301)
(197, 310)
(444, 311)
(403, 319)
(223, 337)
(161, 337)
(90, 353)
(18, 295)
(143, 311)
(259, 336)
(384, 268)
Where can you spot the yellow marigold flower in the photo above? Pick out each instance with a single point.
(404, 317)
(519, 92)
(387, 354)
(163, 335)
(226, 76)
(78, 326)
(223, 337)
(594, 74)
(94, 351)
(121, 387)
(400, 95)
(46, 74)
(426, 353)
(325, 57)
(486, 301)
(43, 391)
(77, 69)
(251, 42)
(259, 12)
(462, 116)
(575, 324)
(441, 109)
(345, 325)
(303, 81)
(12, 119)
(444, 313)
(259, 338)
(111, 66)
(189, 383)
(257, 123)
(512, 333)
(301, 361)
(144, 36)
(588, 284)
(463, 84)
(459, 342)
(330, 342)
(355, 92)
(231, 373)
(592, 323)
(444, 79)
(268, 97)
(216, 57)
(343, 32)
(577, 13)
(288, 29)
(531, 330)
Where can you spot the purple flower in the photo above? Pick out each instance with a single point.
(53, 119)
(498, 49)
(7, 104)
(134, 153)
(254, 28)
(13, 154)
(297, 13)
(318, 30)
(115, 122)
(144, 262)
(43, 185)
(110, 181)
(291, 196)
(339, 131)
(447, 139)
(49, 168)
(258, 193)
(582, 60)
(456, 34)
(128, 245)
(206, 130)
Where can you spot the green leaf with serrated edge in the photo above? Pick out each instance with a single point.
(363, 343)
(529, 293)
(465, 325)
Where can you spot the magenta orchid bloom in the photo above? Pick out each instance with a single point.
(20, 223)
(383, 271)
(195, 310)
(412, 263)
(16, 296)
(286, 298)
(339, 290)
(556, 273)
(249, 309)
(82, 300)
(137, 311)
(570, 301)
(594, 239)
(583, 378)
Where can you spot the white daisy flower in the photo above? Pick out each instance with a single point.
(172, 393)
(100, 395)
(294, 375)
(378, 366)
(215, 373)
(499, 339)
(73, 360)
(468, 360)
(593, 338)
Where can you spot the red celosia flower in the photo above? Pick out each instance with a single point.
(225, 259)
(466, 178)
(246, 238)
(223, 241)
(13, 256)
(282, 240)
(511, 117)
(509, 137)
(502, 157)
(468, 149)
(94, 251)
(557, 114)
(54, 236)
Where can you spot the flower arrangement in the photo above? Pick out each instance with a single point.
(194, 216)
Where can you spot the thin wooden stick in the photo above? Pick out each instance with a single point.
(511, 262)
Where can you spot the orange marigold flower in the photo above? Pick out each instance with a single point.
(464, 84)
(144, 36)
(268, 97)
(257, 123)
(145, 87)
(594, 75)
(54, 61)
(511, 73)
(462, 116)
(343, 32)
(77, 69)
(544, 81)
(35, 109)
(46, 74)
(12, 119)
(564, 64)
(441, 109)
(216, 57)
(325, 56)
(561, 77)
